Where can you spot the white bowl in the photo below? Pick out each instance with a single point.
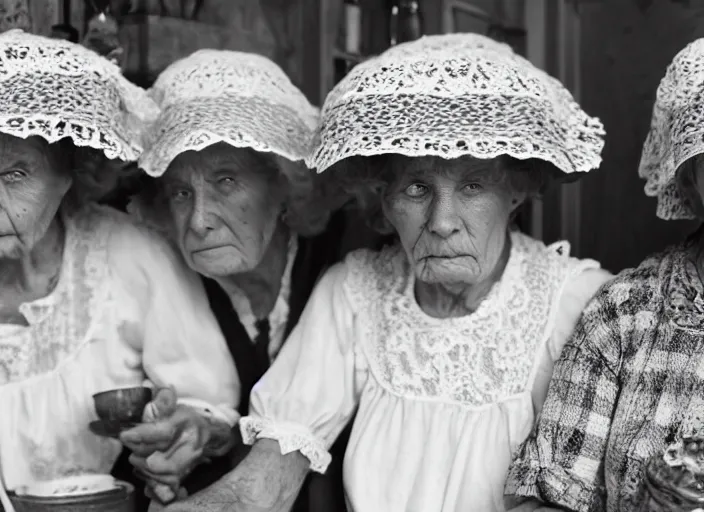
(71, 486)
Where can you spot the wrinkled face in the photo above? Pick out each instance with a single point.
(32, 186)
(225, 203)
(451, 217)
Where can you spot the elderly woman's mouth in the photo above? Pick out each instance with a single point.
(444, 256)
(214, 251)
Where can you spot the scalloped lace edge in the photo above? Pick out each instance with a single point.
(291, 437)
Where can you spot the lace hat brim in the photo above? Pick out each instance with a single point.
(676, 131)
(482, 126)
(240, 122)
(56, 89)
(240, 98)
(451, 96)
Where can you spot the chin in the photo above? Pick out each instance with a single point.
(446, 273)
(10, 251)
(215, 271)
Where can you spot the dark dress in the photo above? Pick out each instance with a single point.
(320, 493)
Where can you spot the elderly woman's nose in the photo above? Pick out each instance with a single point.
(202, 217)
(443, 216)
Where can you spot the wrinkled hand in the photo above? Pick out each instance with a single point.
(168, 445)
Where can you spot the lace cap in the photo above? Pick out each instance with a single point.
(54, 89)
(454, 95)
(676, 130)
(239, 98)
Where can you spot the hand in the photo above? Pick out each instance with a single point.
(173, 440)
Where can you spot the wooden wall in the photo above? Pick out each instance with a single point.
(624, 53)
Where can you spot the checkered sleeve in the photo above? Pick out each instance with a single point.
(561, 462)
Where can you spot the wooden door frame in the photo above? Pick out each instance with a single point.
(553, 44)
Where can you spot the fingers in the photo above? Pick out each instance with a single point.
(162, 406)
(163, 493)
(169, 479)
(147, 438)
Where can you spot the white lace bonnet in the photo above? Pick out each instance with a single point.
(454, 95)
(676, 130)
(242, 99)
(54, 89)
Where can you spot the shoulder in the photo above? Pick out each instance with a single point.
(365, 272)
(116, 227)
(640, 287)
(135, 252)
(131, 239)
(631, 301)
(386, 264)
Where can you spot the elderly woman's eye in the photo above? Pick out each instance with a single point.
(13, 176)
(179, 195)
(416, 190)
(473, 187)
(226, 180)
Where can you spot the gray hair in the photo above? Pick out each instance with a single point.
(363, 181)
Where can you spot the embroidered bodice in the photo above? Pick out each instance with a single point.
(439, 405)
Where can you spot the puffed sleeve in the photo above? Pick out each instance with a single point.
(583, 283)
(179, 338)
(309, 393)
(561, 461)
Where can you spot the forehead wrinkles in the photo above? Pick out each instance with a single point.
(209, 160)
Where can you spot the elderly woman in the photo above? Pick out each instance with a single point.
(629, 383)
(233, 194)
(89, 301)
(442, 343)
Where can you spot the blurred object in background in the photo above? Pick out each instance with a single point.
(15, 14)
(352, 27)
(465, 16)
(102, 36)
(406, 21)
(65, 30)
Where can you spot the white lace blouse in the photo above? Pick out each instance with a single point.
(440, 404)
(125, 309)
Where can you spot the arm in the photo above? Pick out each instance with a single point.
(578, 290)
(297, 409)
(264, 481)
(179, 339)
(561, 462)
(182, 348)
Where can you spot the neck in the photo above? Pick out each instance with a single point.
(445, 301)
(262, 285)
(37, 270)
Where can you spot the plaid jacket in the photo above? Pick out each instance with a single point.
(628, 382)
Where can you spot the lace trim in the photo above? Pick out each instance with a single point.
(60, 89)
(291, 437)
(242, 99)
(676, 131)
(454, 95)
(465, 360)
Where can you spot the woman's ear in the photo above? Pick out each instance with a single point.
(517, 199)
